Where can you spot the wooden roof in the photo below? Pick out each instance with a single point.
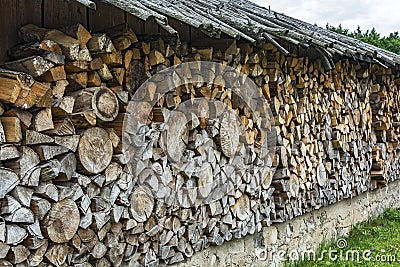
(246, 20)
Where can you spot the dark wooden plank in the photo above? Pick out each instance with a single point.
(150, 27)
(196, 34)
(8, 27)
(137, 24)
(60, 13)
(29, 11)
(163, 32)
(182, 28)
(106, 16)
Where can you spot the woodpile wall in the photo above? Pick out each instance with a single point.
(67, 197)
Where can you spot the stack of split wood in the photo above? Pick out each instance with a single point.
(385, 106)
(69, 195)
(333, 127)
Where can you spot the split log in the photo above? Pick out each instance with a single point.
(48, 191)
(78, 32)
(4, 250)
(21, 215)
(228, 46)
(34, 66)
(94, 79)
(142, 204)
(177, 135)
(69, 142)
(62, 126)
(12, 129)
(43, 120)
(9, 181)
(69, 46)
(77, 81)
(23, 195)
(229, 134)
(35, 138)
(205, 182)
(37, 256)
(241, 209)
(47, 152)
(122, 30)
(54, 74)
(156, 57)
(24, 116)
(100, 43)
(36, 48)
(58, 254)
(105, 73)
(39, 94)
(321, 175)
(111, 59)
(40, 207)
(11, 84)
(15, 234)
(59, 88)
(8, 152)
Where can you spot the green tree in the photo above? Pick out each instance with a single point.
(390, 43)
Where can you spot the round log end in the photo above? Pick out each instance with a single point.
(63, 221)
(95, 150)
(105, 104)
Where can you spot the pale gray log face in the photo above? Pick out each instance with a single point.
(95, 150)
(59, 228)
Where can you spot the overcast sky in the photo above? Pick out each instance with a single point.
(384, 15)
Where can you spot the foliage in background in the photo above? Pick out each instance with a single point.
(390, 43)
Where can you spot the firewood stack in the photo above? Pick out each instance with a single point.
(70, 197)
(385, 122)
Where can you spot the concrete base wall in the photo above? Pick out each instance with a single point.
(304, 233)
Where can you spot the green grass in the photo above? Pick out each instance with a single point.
(381, 237)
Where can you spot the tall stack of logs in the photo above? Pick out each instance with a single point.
(68, 196)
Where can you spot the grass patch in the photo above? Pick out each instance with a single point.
(372, 243)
